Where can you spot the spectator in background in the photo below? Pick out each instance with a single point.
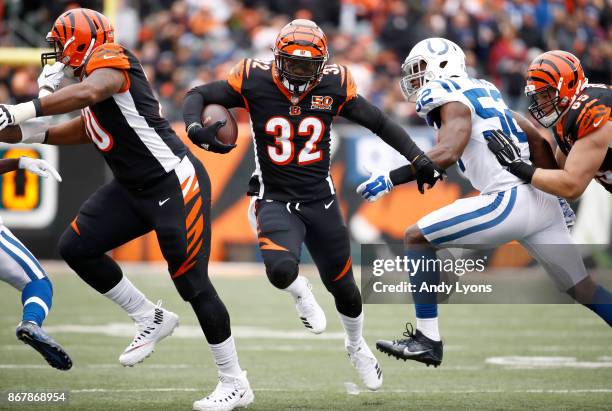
(184, 42)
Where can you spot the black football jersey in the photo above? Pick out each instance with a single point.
(590, 111)
(292, 137)
(128, 128)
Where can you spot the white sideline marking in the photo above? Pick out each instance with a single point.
(189, 331)
(547, 362)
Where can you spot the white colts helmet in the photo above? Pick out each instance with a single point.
(431, 59)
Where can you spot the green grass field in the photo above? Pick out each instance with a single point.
(291, 369)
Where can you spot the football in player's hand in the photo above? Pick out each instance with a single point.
(227, 134)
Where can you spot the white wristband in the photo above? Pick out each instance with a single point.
(33, 131)
(24, 112)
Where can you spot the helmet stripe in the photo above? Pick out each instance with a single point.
(72, 23)
(571, 65)
(535, 78)
(553, 65)
(57, 33)
(546, 72)
(66, 26)
(101, 22)
(92, 27)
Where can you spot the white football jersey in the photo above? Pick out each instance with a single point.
(489, 112)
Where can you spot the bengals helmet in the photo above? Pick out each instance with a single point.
(75, 34)
(300, 54)
(554, 80)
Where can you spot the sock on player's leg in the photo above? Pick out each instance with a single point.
(602, 304)
(226, 357)
(36, 298)
(131, 299)
(353, 328)
(424, 301)
(429, 327)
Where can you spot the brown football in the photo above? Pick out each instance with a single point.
(228, 134)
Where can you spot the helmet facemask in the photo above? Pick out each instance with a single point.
(544, 105)
(298, 71)
(415, 77)
(52, 56)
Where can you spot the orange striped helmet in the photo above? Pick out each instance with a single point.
(75, 34)
(300, 54)
(554, 80)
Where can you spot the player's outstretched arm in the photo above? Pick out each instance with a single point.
(453, 136)
(68, 133)
(362, 112)
(37, 131)
(541, 152)
(583, 161)
(100, 85)
(37, 166)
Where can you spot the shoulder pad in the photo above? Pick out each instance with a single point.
(109, 55)
(235, 77)
(437, 93)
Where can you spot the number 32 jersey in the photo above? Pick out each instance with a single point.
(292, 137)
(489, 112)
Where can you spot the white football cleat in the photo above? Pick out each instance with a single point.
(231, 392)
(366, 364)
(310, 312)
(158, 326)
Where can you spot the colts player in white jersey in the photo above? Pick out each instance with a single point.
(19, 268)
(464, 110)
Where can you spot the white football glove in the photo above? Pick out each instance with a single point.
(7, 116)
(50, 78)
(378, 185)
(39, 167)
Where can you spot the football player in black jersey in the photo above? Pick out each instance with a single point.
(579, 114)
(292, 102)
(158, 186)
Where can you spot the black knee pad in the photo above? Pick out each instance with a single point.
(70, 246)
(282, 271)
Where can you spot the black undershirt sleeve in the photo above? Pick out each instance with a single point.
(216, 92)
(361, 111)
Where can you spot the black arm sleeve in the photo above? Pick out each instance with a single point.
(362, 112)
(216, 92)
(402, 175)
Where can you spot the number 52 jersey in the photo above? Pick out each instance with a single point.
(489, 112)
(292, 136)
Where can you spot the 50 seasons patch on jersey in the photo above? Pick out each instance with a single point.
(321, 103)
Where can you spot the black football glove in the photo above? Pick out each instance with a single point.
(206, 137)
(508, 154)
(426, 172)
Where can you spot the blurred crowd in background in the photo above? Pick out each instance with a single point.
(188, 42)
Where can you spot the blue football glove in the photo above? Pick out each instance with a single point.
(568, 213)
(376, 186)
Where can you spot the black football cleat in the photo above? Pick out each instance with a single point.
(415, 346)
(30, 333)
